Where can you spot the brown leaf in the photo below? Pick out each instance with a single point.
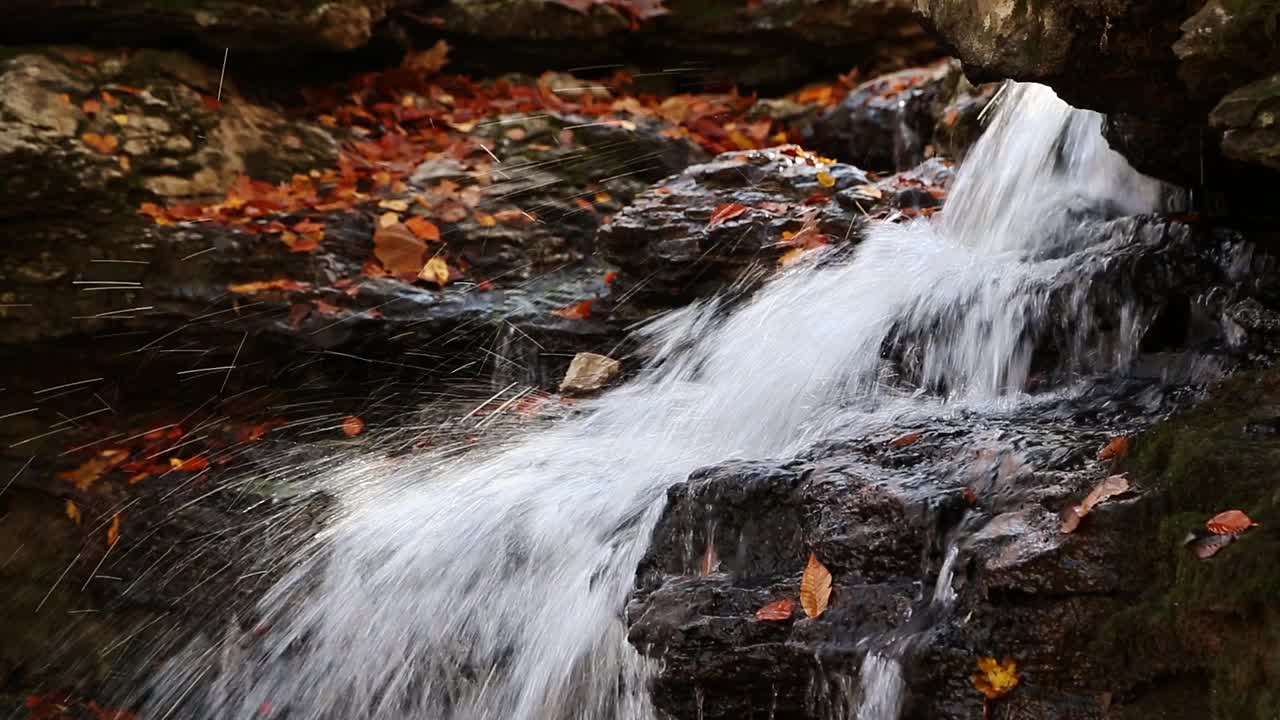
(726, 212)
(352, 426)
(815, 587)
(780, 610)
(398, 249)
(94, 468)
(262, 285)
(1229, 522)
(1103, 491)
(428, 61)
(577, 311)
(906, 440)
(1118, 447)
(73, 512)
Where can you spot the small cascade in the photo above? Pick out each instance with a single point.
(490, 584)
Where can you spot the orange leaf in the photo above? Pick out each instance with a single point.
(352, 426)
(780, 610)
(1229, 522)
(1118, 447)
(94, 468)
(91, 106)
(398, 249)
(104, 144)
(73, 512)
(423, 229)
(610, 276)
(1103, 491)
(577, 311)
(815, 587)
(710, 559)
(996, 678)
(826, 179)
(261, 285)
(428, 61)
(195, 464)
(906, 440)
(726, 212)
(113, 532)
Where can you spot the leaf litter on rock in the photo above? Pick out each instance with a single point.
(815, 587)
(777, 610)
(1107, 489)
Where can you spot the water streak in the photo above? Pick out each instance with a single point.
(490, 586)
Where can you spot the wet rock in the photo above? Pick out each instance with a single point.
(769, 44)
(888, 123)
(589, 373)
(1248, 117)
(670, 249)
(86, 128)
(216, 24)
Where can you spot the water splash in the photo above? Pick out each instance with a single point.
(491, 585)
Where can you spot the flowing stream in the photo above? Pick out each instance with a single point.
(491, 585)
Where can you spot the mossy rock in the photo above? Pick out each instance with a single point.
(1217, 618)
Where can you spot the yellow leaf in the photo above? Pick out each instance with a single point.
(825, 179)
(815, 587)
(386, 220)
(397, 205)
(997, 677)
(435, 271)
(120, 118)
(73, 512)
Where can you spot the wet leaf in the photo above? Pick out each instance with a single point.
(996, 678)
(398, 249)
(869, 192)
(576, 311)
(1118, 447)
(94, 468)
(906, 440)
(825, 179)
(396, 205)
(113, 532)
(1103, 491)
(726, 212)
(1206, 546)
(73, 512)
(263, 285)
(103, 144)
(1229, 522)
(195, 464)
(610, 276)
(435, 271)
(352, 426)
(423, 229)
(780, 610)
(815, 587)
(428, 61)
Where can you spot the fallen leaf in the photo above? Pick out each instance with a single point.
(398, 249)
(195, 464)
(826, 179)
(1229, 522)
(73, 512)
(94, 468)
(113, 532)
(726, 212)
(906, 440)
(996, 678)
(1206, 546)
(104, 144)
(780, 610)
(815, 587)
(435, 271)
(428, 61)
(1118, 447)
(262, 285)
(1103, 491)
(970, 496)
(388, 219)
(610, 276)
(397, 205)
(352, 426)
(576, 311)
(870, 192)
(423, 229)
(91, 106)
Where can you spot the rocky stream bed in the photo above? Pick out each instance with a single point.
(387, 226)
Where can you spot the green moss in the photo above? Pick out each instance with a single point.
(1220, 616)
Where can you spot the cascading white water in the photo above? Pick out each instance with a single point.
(491, 585)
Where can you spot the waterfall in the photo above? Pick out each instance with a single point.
(490, 585)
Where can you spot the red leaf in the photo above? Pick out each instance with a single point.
(577, 311)
(780, 610)
(352, 426)
(906, 440)
(1229, 522)
(726, 212)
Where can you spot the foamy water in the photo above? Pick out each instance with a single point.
(491, 586)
